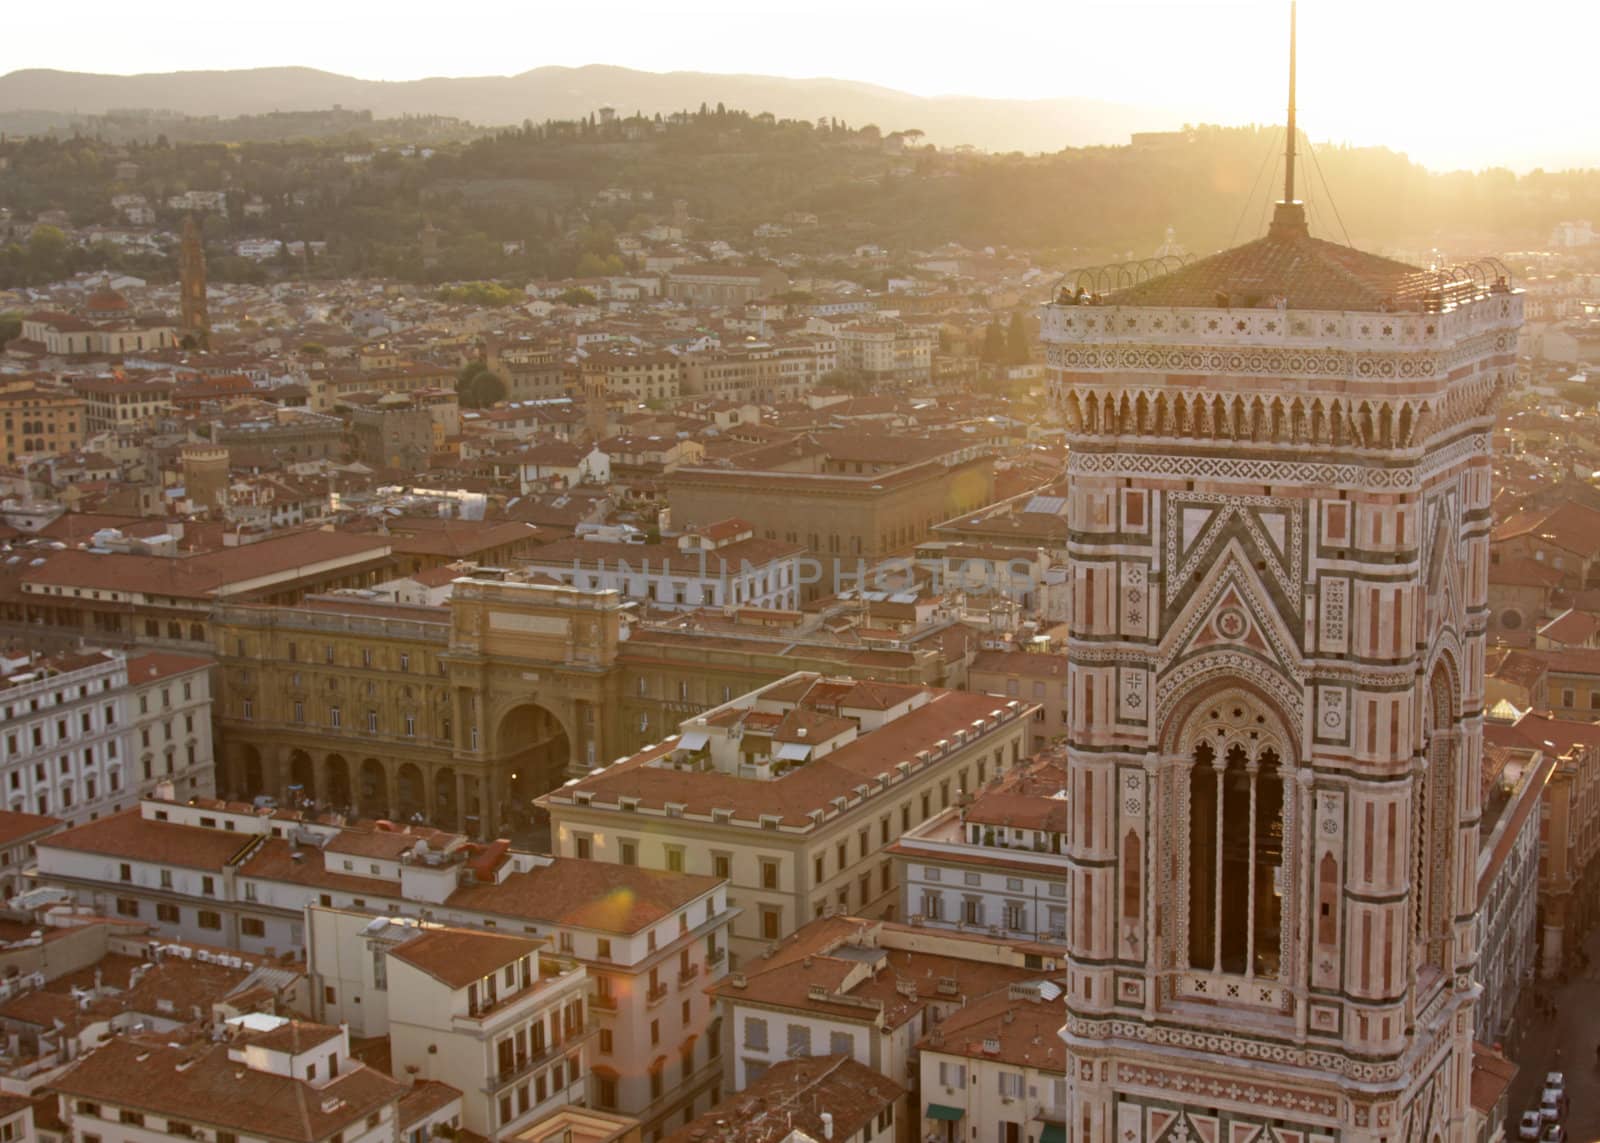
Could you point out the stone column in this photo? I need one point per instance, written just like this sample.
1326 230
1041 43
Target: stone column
391 787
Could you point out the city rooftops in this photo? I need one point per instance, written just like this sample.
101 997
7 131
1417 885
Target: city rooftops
387 864
792 752
878 972
221 572
789 1101
209 1086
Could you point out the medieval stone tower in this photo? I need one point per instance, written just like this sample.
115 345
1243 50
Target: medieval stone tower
195 319
205 476
1280 502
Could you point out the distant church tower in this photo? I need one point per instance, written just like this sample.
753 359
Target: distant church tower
194 318
1280 503
595 405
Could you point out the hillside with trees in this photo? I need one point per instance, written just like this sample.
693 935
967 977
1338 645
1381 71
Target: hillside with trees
548 200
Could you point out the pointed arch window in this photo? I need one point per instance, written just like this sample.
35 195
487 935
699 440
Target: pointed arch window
1236 830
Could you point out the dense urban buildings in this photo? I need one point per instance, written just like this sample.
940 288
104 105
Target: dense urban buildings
686 658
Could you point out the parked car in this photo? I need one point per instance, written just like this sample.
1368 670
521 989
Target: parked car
1552 1106
1555 1081
1531 1127
1554 1133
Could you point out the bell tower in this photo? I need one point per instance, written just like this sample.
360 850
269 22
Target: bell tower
193 314
1280 504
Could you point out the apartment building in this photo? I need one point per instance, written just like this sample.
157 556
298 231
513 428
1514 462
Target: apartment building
638 377
115 405
275 1077
885 350
720 564
240 878
869 990
710 284
997 863
167 600
480 1011
64 745
763 372
1569 829
825 1098
532 371
856 499
1038 677
1514 781
992 1072
39 421
169 709
792 793
20 835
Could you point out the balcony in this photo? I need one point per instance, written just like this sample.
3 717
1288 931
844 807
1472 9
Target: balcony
688 973
605 1001
655 994
498 1004
522 1065
716 956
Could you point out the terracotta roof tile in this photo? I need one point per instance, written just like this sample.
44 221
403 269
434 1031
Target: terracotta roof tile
457 957
210 1088
1308 273
791 1096
596 895
130 836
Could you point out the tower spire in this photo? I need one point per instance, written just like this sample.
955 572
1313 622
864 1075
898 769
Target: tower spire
1289 217
1288 149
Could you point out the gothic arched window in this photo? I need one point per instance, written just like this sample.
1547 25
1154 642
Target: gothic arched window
1235 912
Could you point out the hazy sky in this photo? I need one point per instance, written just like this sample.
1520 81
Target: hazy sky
1464 83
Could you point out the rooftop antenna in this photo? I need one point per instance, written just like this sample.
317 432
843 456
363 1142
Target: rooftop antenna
1288 145
1289 218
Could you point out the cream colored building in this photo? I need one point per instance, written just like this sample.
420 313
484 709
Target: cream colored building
276 1073
480 1011
993 1071
792 793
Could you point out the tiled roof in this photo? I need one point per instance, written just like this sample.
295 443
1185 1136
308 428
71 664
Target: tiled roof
790 1098
293 1037
210 1088
1020 1032
424 1098
153 665
1307 273
129 836
1570 525
457 957
595 895
15 827
1027 664
908 982
812 786
206 574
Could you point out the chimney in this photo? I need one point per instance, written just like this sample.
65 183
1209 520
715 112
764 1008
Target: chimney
827 1125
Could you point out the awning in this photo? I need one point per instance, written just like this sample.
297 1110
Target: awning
694 740
940 1111
1053 1133
793 751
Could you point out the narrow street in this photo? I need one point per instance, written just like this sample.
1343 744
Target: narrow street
1568 1046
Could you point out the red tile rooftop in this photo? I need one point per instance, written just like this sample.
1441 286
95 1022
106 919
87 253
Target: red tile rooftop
793 797
458 957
